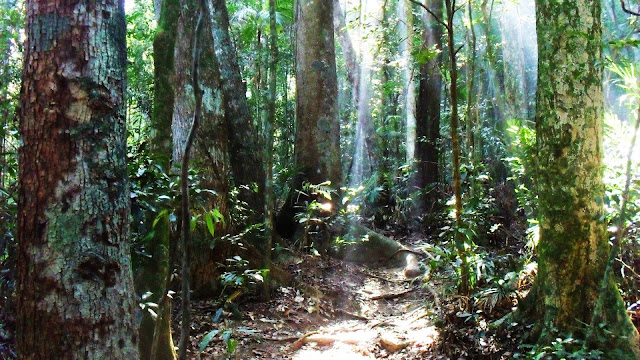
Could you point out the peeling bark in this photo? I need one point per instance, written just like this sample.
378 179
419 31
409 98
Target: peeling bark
75 295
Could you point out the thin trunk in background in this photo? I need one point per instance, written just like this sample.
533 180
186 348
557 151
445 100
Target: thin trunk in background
471 113
269 128
185 293
405 26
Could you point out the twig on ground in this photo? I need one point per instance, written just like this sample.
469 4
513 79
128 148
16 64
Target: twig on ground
352 315
392 295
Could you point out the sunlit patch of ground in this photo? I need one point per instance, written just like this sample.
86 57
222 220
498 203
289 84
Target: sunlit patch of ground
350 322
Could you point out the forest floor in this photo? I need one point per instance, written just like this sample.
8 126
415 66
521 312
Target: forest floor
365 313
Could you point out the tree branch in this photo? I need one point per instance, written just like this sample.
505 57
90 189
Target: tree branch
627 10
432 13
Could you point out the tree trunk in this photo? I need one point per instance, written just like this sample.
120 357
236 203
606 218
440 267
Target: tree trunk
210 151
75 289
571 191
244 146
348 52
405 25
428 110
317 143
152 278
455 148
470 116
163 59
154 271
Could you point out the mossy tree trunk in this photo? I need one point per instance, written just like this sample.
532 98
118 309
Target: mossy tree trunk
163 93
75 295
317 144
154 270
573 247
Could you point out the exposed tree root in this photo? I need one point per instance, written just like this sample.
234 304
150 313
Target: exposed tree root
369 247
301 341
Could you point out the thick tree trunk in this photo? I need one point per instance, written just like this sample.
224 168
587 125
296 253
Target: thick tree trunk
163 59
244 146
317 143
428 110
75 290
573 248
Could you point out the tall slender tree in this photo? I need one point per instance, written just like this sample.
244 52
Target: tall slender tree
75 296
573 247
405 26
269 203
428 107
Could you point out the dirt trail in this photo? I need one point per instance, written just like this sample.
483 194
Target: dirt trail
365 314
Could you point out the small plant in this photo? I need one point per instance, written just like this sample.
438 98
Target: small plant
239 277
566 347
317 215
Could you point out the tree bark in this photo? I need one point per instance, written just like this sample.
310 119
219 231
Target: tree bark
163 59
571 191
74 290
348 52
244 146
428 110
270 122
210 151
317 142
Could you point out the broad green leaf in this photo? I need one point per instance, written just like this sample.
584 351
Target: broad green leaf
160 215
217 215
232 344
207 339
210 226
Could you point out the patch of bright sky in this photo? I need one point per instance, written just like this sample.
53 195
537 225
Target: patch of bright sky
128 6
